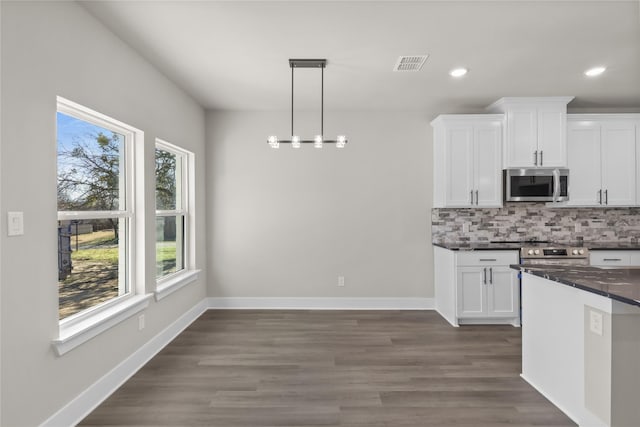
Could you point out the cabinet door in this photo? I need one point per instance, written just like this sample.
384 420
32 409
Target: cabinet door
521 142
583 139
471 291
618 150
502 292
459 166
610 258
552 148
487 169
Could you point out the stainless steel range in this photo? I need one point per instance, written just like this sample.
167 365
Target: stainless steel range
558 255
566 255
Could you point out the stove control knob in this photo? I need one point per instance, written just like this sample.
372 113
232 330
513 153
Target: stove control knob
574 252
581 251
537 252
530 252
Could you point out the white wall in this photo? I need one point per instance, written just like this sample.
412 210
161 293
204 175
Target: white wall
287 223
57 48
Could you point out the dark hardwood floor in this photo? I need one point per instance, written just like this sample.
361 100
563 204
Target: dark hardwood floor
331 368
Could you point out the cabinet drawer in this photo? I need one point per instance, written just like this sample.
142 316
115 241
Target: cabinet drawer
487 258
611 258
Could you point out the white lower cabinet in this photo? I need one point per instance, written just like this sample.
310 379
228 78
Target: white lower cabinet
487 292
477 287
619 258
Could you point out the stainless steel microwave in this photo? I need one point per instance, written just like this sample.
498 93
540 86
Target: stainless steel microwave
536 185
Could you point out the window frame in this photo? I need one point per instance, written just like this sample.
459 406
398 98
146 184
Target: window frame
84 325
169 283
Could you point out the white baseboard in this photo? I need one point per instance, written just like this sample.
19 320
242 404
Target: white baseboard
72 413
451 321
322 303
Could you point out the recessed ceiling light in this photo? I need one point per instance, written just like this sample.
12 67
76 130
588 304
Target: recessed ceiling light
458 72
595 71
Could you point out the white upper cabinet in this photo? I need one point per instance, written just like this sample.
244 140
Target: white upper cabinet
467 151
602 150
535 131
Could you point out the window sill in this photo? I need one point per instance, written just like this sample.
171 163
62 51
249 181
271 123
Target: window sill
74 335
168 286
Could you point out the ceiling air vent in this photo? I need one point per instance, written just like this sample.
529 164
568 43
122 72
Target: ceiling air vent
410 63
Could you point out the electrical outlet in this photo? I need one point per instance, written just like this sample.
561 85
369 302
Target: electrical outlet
141 322
340 281
465 227
595 322
578 227
15 224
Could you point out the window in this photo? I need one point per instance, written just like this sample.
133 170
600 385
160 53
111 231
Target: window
96 217
173 223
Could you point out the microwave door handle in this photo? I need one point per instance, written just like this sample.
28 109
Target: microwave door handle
556 185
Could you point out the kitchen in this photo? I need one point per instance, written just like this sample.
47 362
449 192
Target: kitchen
505 250
332 247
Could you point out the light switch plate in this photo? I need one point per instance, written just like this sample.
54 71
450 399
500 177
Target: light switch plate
15 224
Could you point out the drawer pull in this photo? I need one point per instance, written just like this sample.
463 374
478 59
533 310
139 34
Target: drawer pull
488 259
612 259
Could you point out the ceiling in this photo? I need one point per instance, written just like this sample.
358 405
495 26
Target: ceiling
233 55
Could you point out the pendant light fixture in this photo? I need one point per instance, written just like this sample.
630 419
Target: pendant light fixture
318 141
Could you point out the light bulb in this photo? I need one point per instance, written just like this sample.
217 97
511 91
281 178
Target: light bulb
273 141
594 71
458 72
295 141
341 141
317 141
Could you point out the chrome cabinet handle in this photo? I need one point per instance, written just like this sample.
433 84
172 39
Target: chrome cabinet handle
476 197
471 194
535 158
484 280
600 196
541 162
488 259
491 275
612 259
606 197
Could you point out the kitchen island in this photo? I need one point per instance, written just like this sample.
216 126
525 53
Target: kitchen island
581 340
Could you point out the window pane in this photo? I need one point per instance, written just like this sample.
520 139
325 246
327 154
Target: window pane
169 244
166 167
89 173
91 263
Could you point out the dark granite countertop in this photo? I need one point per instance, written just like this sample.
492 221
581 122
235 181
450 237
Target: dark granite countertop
501 246
621 284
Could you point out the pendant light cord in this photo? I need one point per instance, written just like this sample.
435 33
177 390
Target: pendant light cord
292 101
322 104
